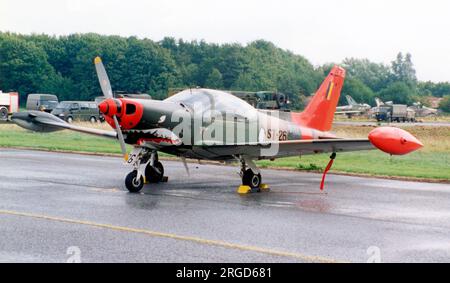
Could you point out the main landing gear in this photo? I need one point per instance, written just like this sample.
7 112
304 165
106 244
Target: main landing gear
251 177
153 169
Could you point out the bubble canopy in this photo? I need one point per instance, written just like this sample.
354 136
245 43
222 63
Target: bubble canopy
213 100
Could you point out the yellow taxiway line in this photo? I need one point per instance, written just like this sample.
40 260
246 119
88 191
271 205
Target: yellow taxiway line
217 243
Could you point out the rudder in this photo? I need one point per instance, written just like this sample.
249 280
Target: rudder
319 113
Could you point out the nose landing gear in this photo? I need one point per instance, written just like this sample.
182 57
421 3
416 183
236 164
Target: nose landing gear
153 172
134 183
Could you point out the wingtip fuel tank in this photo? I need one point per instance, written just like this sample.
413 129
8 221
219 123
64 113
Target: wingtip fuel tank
394 141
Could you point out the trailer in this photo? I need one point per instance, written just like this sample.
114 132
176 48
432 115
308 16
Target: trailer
9 103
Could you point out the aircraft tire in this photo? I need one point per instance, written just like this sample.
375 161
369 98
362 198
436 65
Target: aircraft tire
133 185
251 179
151 175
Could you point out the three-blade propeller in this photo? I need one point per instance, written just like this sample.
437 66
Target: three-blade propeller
107 92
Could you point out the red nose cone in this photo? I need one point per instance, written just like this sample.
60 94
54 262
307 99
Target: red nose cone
394 140
103 107
110 107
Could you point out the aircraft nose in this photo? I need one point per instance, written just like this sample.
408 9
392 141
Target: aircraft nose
109 107
103 107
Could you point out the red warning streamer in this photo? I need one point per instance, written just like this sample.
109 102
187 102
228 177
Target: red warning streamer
330 163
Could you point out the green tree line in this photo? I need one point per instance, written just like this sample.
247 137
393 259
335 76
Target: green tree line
63 65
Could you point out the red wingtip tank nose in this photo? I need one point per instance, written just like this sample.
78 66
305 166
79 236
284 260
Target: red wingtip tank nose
394 140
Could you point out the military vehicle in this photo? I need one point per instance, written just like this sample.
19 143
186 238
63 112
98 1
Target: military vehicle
42 102
265 100
352 108
390 112
401 113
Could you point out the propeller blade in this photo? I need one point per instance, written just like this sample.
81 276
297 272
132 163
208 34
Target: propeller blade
103 78
107 92
183 159
121 139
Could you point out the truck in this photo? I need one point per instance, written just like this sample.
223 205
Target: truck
394 113
9 103
390 112
265 100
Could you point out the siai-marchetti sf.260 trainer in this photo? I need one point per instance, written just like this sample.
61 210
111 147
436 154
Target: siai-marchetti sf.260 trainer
207 124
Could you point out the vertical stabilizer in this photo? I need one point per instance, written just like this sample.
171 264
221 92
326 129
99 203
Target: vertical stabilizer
319 113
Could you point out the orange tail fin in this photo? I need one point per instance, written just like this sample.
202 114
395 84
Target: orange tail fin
320 111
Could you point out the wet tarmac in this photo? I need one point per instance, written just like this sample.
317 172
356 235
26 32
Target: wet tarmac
57 207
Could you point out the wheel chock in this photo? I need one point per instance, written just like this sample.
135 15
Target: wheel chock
145 180
243 190
264 187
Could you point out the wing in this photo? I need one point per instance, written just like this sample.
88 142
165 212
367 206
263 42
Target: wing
45 122
286 148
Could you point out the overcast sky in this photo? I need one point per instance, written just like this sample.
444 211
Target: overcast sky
321 30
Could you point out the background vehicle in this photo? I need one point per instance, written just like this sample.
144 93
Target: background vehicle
78 110
401 113
264 100
268 100
42 102
390 112
9 103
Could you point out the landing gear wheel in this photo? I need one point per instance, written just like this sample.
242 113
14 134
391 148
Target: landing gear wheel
151 172
69 120
251 179
132 183
93 120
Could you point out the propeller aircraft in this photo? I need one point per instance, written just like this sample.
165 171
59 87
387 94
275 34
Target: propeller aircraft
208 124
